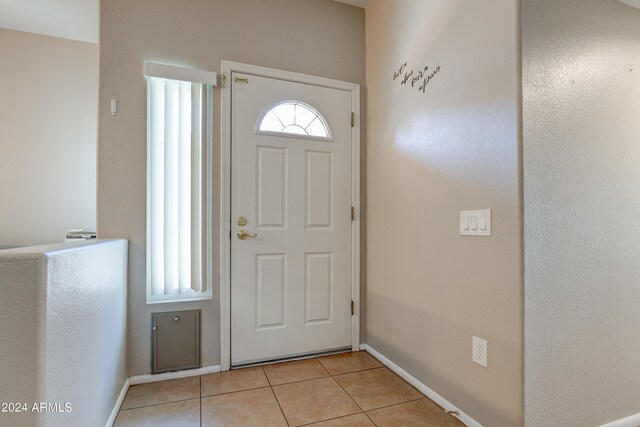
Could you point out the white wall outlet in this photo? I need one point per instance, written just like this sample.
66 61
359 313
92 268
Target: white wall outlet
479 351
475 223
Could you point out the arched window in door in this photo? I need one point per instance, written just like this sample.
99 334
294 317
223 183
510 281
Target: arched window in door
293 118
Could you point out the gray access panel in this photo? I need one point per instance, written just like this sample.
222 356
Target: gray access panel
175 340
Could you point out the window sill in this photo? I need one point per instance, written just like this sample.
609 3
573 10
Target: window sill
175 298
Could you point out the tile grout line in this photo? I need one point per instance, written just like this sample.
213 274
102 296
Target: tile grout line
345 373
345 391
235 391
272 386
329 374
383 366
405 381
363 411
373 409
301 381
158 404
275 397
348 395
297 381
373 422
397 404
329 419
415 388
322 366
313 379
359 370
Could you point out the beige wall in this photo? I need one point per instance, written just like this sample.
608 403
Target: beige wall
48 117
319 37
429 156
581 104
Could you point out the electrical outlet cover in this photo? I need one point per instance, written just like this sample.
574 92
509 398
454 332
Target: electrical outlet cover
479 351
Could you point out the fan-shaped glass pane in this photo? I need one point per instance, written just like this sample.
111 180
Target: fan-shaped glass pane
294 118
271 123
304 116
286 113
298 130
316 128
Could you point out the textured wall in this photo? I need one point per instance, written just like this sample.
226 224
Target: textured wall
429 156
64 331
19 362
319 37
581 88
48 118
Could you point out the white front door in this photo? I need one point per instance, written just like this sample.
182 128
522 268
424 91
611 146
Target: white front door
291 183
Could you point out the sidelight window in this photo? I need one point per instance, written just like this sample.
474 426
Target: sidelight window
178 128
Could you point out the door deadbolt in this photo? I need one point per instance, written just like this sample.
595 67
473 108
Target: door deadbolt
242 221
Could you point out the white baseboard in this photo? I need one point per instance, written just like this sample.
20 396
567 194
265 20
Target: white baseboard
448 406
142 379
118 404
631 421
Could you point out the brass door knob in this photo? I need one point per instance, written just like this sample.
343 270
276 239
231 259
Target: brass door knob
244 234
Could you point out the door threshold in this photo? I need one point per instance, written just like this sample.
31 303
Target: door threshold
293 358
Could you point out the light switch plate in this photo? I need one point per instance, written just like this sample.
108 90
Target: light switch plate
475 223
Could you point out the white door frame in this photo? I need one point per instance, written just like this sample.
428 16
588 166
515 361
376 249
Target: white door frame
229 67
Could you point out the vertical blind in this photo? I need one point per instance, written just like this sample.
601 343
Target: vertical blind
174 189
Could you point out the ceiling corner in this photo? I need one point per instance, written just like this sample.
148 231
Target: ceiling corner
358 3
634 3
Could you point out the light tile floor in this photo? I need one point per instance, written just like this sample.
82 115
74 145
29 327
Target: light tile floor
351 389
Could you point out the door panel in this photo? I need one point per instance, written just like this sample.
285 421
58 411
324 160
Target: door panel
271 201
271 273
319 191
291 283
319 286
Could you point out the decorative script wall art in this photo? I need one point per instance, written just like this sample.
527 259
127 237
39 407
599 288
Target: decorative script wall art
420 78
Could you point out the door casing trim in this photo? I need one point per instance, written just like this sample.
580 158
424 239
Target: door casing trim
228 67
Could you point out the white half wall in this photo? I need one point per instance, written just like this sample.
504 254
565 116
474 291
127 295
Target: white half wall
63 317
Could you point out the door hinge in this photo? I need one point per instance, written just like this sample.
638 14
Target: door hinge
353 308
229 233
353 213
224 80
353 119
